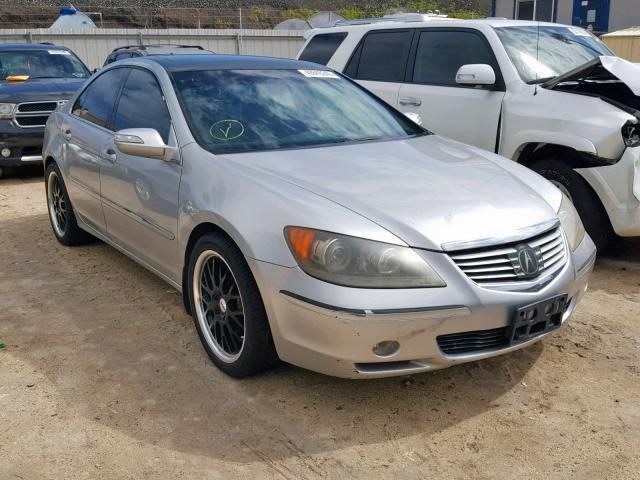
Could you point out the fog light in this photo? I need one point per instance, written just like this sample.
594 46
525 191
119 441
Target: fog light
386 348
5 152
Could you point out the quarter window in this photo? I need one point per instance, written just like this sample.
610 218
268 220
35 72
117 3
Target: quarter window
440 54
95 104
382 56
142 105
321 48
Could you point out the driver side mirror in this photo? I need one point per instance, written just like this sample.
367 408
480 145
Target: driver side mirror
476 74
143 142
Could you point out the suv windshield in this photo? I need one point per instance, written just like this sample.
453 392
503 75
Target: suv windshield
559 50
249 110
51 63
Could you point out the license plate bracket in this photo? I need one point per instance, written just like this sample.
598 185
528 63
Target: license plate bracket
537 319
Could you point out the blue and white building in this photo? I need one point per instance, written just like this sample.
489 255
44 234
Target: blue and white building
598 15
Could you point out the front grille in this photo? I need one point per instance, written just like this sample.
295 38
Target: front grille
37 121
467 342
34 114
37 107
499 264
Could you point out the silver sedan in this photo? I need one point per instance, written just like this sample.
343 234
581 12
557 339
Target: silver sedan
304 219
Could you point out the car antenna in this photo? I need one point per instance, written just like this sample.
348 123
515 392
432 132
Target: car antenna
535 91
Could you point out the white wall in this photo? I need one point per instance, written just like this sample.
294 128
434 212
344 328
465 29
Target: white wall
93 46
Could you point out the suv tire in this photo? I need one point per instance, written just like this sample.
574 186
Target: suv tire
594 216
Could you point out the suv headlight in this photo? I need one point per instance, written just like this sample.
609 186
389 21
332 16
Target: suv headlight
6 110
631 134
571 223
356 262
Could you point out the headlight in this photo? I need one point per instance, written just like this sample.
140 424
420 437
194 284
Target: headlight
571 223
356 262
6 110
631 134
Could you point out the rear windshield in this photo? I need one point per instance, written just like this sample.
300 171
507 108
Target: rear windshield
321 48
51 63
250 110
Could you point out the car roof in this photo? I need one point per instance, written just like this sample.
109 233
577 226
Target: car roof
31 46
174 63
445 22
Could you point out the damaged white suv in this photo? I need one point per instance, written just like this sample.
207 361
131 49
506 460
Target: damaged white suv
549 96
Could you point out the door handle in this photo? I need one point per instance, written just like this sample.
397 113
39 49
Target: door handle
66 134
416 102
109 154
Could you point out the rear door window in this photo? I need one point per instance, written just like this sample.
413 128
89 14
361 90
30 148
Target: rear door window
321 48
142 105
96 102
440 54
382 56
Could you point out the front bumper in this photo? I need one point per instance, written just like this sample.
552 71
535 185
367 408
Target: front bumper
618 187
332 329
25 144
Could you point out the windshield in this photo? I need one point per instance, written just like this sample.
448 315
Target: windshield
53 63
561 49
249 110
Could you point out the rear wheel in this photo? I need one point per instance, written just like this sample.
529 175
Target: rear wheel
61 214
593 215
227 308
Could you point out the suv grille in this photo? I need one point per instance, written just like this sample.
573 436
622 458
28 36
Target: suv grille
34 114
466 342
501 264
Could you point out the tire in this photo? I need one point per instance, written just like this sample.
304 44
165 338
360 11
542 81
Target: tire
61 214
227 308
592 213
1 172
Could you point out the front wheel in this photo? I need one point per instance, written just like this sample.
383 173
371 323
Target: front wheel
227 308
592 213
61 214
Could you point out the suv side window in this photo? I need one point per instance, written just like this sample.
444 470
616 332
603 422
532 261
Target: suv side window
321 48
440 54
142 105
95 103
382 56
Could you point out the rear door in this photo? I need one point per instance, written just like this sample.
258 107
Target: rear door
139 194
468 114
379 63
87 132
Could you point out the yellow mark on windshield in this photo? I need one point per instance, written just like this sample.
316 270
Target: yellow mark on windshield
17 78
226 130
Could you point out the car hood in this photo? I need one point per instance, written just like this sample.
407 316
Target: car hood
615 68
428 191
39 89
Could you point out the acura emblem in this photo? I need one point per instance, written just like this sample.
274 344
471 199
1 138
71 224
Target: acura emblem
526 261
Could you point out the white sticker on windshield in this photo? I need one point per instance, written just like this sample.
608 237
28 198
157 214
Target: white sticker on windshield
59 52
579 32
318 74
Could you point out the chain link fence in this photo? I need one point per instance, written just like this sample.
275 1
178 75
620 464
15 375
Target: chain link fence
162 15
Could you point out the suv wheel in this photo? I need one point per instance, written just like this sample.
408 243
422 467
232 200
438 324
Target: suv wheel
593 215
227 308
61 214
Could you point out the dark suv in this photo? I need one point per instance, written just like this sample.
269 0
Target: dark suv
133 51
34 80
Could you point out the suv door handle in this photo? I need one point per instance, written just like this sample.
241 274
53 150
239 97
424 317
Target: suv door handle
66 134
109 154
416 102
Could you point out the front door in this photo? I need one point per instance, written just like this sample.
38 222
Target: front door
139 194
470 115
86 133
592 14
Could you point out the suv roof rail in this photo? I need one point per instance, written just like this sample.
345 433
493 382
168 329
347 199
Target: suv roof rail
144 47
405 17
46 43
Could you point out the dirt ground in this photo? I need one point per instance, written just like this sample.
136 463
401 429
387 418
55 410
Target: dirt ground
103 376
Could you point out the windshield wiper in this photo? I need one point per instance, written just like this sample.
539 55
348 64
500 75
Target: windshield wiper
541 80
